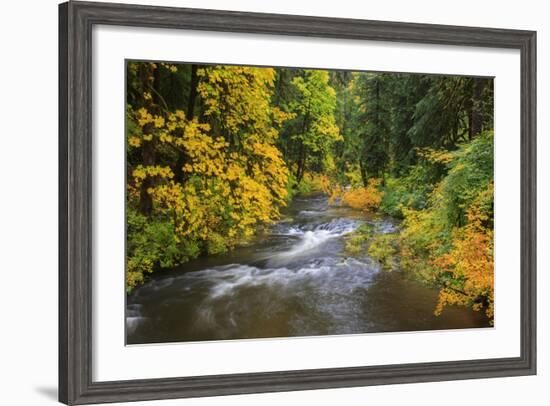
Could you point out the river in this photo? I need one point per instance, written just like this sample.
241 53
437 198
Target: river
294 280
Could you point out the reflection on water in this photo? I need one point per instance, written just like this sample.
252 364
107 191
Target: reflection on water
294 281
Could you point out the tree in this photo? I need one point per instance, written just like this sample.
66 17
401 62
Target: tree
372 123
453 110
314 109
233 178
405 92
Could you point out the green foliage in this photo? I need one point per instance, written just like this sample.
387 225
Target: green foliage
380 247
152 243
384 249
397 195
470 171
449 243
372 124
413 188
309 137
357 242
306 187
410 191
216 244
445 115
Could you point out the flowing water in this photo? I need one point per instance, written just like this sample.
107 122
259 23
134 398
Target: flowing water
295 280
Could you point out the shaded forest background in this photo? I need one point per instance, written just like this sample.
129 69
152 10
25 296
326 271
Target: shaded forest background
214 153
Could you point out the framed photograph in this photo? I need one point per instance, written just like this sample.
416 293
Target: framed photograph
257 202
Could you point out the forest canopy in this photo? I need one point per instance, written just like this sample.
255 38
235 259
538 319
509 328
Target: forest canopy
215 152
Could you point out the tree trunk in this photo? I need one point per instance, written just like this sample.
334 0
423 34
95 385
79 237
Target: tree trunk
378 103
477 113
279 88
363 171
148 152
302 151
148 159
470 127
179 174
192 92
301 164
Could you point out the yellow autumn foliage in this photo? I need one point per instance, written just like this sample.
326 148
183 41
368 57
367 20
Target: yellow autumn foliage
435 156
234 177
314 182
450 244
470 263
364 198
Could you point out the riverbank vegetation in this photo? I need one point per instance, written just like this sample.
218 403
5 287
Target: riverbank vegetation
215 152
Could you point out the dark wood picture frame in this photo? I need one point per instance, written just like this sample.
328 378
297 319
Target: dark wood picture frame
76 20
